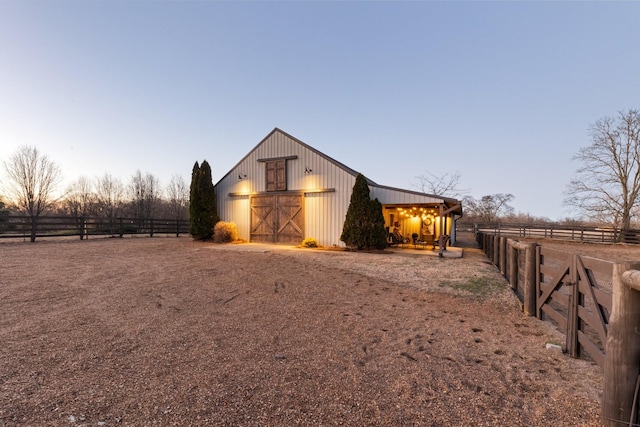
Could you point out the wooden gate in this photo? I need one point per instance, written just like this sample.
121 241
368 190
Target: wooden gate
575 292
277 218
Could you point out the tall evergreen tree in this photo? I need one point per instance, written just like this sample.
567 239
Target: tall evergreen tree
378 234
194 201
203 214
364 224
208 196
4 214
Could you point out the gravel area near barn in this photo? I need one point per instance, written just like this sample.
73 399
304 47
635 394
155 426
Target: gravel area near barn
167 331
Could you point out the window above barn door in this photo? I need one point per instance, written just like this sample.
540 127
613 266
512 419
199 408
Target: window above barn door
276 171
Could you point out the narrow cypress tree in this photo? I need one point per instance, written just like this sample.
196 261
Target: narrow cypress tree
378 232
194 202
364 224
208 192
4 213
202 203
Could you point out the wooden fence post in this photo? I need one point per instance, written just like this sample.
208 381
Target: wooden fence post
530 288
496 250
530 269
503 255
513 267
483 243
572 343
487 244
622 351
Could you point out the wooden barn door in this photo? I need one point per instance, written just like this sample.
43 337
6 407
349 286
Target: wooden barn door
263 218
277 218
290 218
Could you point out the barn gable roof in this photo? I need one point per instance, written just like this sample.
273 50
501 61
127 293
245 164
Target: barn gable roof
447 201
308 147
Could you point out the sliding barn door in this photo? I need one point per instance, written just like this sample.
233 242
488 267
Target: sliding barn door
277 218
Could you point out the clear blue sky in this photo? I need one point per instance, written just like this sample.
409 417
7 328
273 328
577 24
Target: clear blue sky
502 93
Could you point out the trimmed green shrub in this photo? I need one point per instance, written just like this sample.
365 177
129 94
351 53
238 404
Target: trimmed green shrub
225 232
309 242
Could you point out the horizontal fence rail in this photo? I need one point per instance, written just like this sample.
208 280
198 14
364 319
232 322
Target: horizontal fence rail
595 303
560 232
19 226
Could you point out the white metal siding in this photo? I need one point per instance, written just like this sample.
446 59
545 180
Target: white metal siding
323 220
324 212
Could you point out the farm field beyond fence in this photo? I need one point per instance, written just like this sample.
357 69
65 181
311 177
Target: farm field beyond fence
141 331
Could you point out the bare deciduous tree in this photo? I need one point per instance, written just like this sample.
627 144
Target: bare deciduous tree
607 184
489 208
32 180
144 195
79 198
178 196
109 193
446 185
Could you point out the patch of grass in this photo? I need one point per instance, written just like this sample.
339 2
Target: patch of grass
480 286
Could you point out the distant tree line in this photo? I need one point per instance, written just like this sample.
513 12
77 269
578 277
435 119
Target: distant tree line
32 178
605 189
142 197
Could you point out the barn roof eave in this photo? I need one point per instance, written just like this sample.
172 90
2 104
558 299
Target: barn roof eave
447 201
321 154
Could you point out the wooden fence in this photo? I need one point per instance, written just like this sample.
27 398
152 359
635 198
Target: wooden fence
591 301
17 226
559 232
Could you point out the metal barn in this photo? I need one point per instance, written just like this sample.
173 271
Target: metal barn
285 190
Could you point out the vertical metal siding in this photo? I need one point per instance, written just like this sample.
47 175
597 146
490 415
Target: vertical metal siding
324 212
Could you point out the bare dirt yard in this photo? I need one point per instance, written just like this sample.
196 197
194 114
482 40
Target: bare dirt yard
167 331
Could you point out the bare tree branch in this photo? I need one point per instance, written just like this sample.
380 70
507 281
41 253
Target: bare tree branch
606 185
446 185
109 193
79 198
144 195
178 195
33 178
489 208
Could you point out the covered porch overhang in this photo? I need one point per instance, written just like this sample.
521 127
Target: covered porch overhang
423 221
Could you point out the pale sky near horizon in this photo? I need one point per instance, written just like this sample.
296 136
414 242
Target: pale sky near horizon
502 93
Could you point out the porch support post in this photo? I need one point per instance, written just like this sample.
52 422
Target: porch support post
441 237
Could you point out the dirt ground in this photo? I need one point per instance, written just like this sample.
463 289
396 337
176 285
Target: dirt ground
167 331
